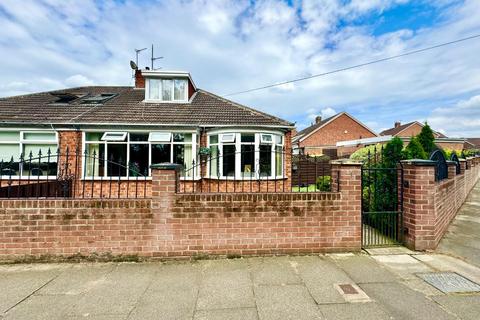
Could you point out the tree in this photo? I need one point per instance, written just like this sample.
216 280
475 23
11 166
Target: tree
414 150
426 139
392 153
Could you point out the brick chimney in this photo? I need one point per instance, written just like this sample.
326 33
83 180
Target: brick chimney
397 124
139 79
318 119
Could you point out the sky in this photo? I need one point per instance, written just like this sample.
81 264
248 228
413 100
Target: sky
230 46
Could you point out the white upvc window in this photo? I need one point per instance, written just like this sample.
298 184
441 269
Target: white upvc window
166 90
114 136
245 155
28 153
108 155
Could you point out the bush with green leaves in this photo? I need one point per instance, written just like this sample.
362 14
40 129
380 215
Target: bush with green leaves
392 153
362 154
324 183
414 150
427 139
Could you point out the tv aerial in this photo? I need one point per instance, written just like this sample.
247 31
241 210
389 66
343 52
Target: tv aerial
137 51
154 58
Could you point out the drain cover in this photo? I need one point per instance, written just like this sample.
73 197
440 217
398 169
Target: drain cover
449 282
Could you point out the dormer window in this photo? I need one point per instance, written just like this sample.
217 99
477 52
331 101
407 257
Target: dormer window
167 90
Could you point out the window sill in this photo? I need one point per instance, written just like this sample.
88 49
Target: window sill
26 178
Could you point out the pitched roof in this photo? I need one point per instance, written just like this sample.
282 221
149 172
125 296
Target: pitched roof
128 107
396 130
316 126
474 141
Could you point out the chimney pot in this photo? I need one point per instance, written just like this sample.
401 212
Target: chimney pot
139 79
397 124
318 119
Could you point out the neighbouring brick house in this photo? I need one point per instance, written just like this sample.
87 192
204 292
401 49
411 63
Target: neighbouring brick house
164 118
322 136
408 130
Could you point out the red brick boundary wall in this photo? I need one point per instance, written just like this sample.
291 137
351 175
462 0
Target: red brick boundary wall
181 225
430 206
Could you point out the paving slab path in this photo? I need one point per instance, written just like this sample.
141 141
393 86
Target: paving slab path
383 285
462 238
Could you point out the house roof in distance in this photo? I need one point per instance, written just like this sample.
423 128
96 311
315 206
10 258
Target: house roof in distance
316 126
396 130
108 105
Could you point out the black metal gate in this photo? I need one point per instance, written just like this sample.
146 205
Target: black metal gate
382 205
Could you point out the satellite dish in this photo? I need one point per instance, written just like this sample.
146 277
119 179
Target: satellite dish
133 65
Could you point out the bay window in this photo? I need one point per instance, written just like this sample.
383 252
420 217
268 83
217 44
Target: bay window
37 148
122 154
245 155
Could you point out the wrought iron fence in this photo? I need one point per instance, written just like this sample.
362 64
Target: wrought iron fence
455 159
250 170
70 175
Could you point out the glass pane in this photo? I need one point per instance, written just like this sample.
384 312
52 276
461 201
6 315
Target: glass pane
248 161
167 90
160 136
278 139
95 160
161 153
9 136
228 158
138 136
40 164
7 166
278 160
93 136
117 160
229 137
179 90
214 161
182 154
154 89
138 160
35 149
214 139
182 137
248 137
266 138
44 136
265 160
114 136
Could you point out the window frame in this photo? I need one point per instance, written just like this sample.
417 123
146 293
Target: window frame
238 146
128 142
172 91
21 142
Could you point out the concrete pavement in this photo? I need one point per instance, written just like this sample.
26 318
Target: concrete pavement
463 236
337 286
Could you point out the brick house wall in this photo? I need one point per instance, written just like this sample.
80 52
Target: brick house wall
177 225
430 206
327 136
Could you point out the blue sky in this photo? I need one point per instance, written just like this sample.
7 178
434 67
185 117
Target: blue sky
230 46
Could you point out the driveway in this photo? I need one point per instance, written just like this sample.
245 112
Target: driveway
463 236
338 286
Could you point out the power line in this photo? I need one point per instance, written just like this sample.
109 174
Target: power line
355 66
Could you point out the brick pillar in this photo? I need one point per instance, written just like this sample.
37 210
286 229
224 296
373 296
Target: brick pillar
419 204
463 166
71 166
452 169
347 179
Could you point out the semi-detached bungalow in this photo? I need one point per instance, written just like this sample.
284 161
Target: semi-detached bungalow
122 131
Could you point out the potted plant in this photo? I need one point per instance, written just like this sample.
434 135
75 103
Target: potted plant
204 153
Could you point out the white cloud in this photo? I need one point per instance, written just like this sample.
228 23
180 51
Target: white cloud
231 46
459 120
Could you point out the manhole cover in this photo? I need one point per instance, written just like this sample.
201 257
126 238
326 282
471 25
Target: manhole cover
348 289
449 282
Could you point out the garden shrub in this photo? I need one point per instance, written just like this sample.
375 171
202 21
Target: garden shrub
392 153
324 183
362 154
414 150
426 139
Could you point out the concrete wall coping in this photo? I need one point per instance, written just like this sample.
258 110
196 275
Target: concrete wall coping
346 162
420 162
166 166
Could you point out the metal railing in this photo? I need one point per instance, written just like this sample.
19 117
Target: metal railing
256 171
54 174
441 167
